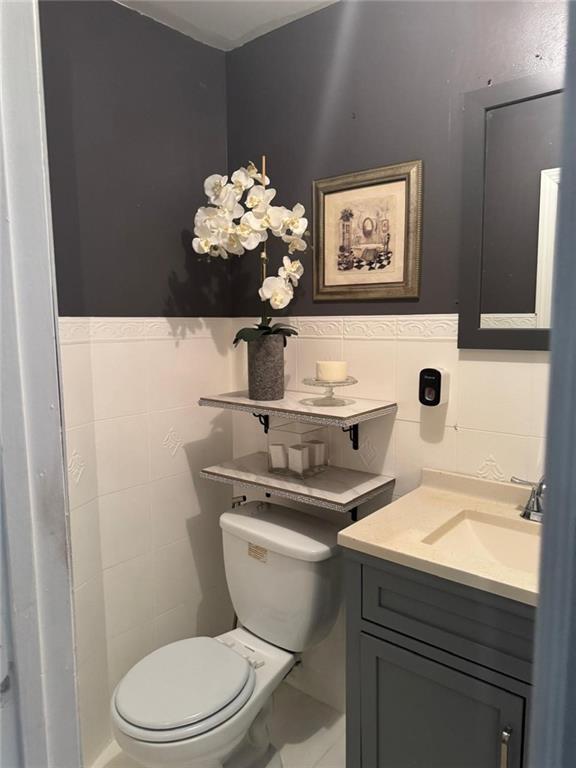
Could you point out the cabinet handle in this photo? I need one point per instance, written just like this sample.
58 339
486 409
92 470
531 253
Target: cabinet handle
505 737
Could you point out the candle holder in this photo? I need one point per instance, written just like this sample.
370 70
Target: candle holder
329 400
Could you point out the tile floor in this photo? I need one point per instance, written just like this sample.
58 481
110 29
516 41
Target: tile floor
307 734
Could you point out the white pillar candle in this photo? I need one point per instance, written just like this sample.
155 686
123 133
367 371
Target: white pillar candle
317 452
299 458
278 456
332 370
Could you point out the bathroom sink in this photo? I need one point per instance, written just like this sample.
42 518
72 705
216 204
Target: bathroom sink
461 528
512 543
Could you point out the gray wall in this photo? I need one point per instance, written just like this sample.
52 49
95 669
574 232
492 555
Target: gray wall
136 118
138 115
359 85
521 140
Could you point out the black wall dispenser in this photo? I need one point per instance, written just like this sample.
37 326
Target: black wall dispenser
433 386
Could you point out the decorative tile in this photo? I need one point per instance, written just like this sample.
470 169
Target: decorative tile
490 470
172 441
497 456
320 327
427 326
383 327
81 465
84 329
73 330
118 328
508 321
76 467
187 439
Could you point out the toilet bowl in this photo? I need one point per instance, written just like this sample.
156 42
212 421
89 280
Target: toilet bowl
192 703
202 702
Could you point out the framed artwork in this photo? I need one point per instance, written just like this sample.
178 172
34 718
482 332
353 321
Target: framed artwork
367 234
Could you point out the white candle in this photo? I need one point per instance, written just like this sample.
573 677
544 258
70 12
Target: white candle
278 457
332 370
317 452
299 458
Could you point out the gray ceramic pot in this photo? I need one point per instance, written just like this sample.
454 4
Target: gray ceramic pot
266 367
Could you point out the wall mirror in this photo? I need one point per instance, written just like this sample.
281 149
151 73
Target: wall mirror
512 145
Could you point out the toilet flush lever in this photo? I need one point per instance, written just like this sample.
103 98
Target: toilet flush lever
237 501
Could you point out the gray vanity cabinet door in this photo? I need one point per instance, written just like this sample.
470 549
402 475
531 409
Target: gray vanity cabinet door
418 713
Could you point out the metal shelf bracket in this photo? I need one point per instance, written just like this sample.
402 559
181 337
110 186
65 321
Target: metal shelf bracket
354 435
264 421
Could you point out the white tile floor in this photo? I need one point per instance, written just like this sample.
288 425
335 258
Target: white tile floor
307 734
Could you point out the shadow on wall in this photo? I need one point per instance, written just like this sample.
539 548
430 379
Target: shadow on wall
201 284
204 530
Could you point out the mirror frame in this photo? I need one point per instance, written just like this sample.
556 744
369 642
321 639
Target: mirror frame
475 107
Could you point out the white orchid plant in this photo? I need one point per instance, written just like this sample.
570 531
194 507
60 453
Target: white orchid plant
240 218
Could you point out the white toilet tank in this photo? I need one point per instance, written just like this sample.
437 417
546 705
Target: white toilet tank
283 573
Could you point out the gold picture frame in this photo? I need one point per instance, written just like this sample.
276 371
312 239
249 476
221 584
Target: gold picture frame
367 234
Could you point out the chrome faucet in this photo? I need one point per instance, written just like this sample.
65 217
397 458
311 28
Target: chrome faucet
534 508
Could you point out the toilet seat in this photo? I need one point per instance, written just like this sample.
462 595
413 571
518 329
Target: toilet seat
182 690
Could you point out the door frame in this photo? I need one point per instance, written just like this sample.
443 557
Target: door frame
553 736
34 496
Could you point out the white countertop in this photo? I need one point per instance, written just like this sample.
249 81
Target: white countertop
398 531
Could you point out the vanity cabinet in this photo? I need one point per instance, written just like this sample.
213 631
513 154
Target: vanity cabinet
438 672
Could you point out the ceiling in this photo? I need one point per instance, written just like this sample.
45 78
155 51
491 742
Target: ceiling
225 24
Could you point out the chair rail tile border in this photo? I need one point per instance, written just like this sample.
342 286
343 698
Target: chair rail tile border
74 330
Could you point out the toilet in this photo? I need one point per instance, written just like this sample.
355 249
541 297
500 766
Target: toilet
203 702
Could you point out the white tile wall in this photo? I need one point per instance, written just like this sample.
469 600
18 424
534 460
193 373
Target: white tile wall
146 545
493 425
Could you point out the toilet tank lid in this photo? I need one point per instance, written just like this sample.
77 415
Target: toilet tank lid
282 530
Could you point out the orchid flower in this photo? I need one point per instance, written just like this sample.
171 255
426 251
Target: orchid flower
259 198
232 244
213 186
277 291
295 243
255 174
275 218
240 216
250 237
295 221
242 180
291 270
228 199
